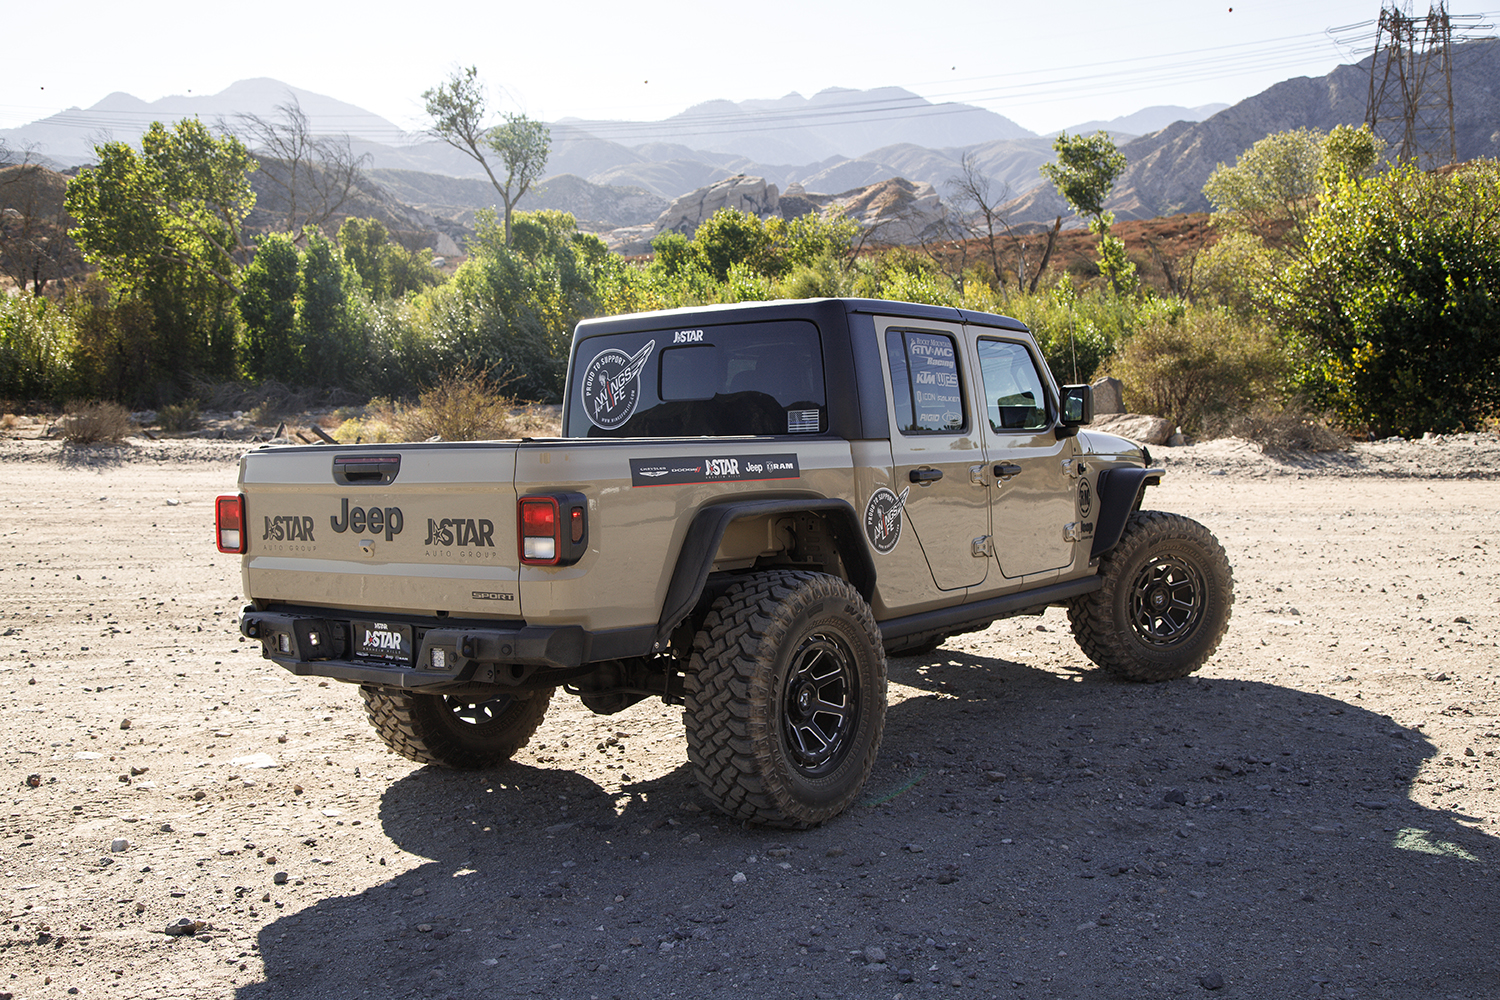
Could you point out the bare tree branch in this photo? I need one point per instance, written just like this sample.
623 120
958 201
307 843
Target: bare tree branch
980 210
312 175
35 247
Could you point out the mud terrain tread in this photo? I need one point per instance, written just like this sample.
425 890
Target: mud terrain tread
732 731
419 727
1099 626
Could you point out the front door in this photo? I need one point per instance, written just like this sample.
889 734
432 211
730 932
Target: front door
1031 489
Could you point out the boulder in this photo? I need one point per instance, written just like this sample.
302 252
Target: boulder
1136 426
1109 396
894 210
748 194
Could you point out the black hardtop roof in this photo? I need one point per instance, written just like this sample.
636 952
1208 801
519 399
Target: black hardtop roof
815 310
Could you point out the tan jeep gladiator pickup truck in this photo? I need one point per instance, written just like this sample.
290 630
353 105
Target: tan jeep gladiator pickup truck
749 508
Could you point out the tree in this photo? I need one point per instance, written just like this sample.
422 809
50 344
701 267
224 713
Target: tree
386 269
730 237
1274 188
332 351
1086 169
513 305
1397 299
164 228
970 190
1085 173
363 242
34 244
268 305
458 109
180 202
309 177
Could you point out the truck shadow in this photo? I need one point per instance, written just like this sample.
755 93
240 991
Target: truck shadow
1024 831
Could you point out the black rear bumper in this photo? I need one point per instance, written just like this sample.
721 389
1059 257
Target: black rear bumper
317 643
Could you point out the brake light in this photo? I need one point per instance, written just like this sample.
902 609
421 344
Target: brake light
552 529
229 523
539 530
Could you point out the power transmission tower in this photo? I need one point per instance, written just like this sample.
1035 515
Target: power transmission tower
1411 81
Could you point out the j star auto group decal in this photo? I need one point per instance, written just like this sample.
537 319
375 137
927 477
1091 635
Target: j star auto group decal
727 469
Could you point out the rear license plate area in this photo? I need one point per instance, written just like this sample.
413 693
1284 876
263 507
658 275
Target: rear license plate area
388 641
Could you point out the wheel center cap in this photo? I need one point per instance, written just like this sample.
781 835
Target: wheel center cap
1158 599
804 698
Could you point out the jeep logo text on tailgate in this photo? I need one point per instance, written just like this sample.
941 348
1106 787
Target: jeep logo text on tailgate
375 520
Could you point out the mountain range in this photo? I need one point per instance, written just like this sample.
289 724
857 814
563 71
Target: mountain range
619 173
834 141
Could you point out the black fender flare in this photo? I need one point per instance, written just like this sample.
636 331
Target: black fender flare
1118 490
696 559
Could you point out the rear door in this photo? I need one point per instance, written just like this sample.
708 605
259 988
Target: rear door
936 452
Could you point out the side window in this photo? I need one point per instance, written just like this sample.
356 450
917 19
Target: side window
924 382
1013 392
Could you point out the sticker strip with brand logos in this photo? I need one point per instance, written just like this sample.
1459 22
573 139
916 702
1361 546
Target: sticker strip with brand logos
728 469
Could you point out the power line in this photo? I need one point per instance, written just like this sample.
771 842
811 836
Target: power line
1008 90
1410 103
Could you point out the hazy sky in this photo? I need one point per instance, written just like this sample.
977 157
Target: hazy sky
1044 65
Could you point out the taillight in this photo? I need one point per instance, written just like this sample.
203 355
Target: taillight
552 529
229 522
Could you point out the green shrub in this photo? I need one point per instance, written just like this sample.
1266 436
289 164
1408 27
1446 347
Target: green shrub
463 405
1077 331
1289 429
1397 301
177 418
1198 367
90 423
37 345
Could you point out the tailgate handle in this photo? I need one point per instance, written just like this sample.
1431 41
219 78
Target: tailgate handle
366 470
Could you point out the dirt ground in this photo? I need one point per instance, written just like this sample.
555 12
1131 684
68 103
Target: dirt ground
1315 814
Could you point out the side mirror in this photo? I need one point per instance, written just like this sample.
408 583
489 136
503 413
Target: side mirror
1077 403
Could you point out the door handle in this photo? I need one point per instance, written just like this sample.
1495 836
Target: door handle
1006 470
925 477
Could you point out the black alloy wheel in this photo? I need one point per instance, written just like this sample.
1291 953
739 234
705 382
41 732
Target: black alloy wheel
821 704
1166 601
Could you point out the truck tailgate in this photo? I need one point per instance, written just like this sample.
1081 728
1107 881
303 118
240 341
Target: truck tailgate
405 528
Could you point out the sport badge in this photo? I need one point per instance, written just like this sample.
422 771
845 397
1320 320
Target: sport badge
612 386
883 518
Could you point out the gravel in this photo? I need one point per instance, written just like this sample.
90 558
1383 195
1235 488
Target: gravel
1313 814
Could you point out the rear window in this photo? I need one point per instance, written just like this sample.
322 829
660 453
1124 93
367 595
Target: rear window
744 378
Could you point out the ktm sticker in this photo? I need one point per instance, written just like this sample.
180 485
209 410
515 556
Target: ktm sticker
883 519
612 386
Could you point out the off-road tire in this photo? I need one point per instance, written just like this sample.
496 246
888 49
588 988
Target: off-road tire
437 729
1165 601
785 700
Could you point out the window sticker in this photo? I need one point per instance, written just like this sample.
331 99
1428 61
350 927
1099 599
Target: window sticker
612 385
924 382
802 421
